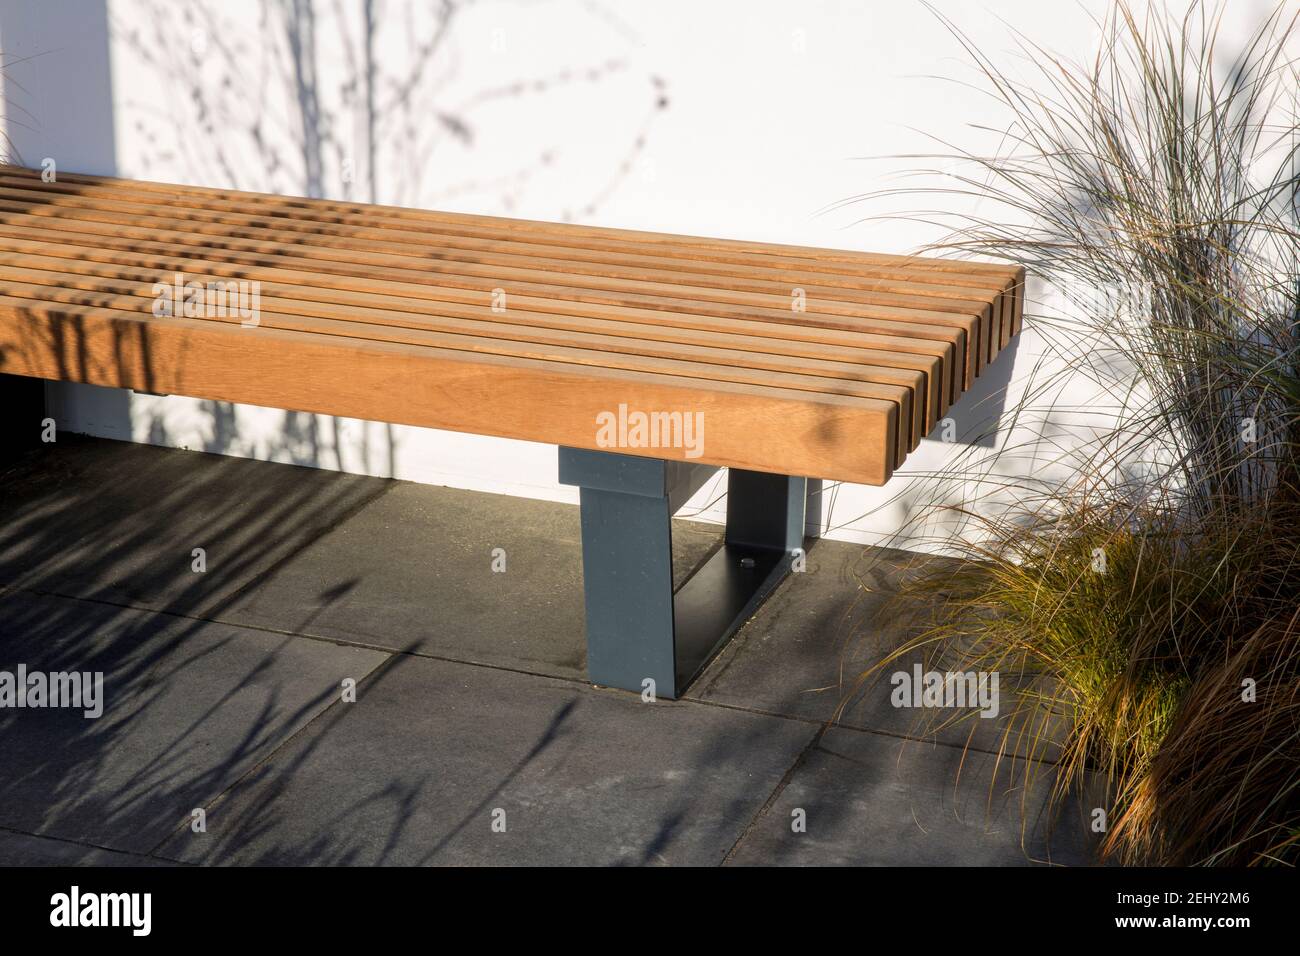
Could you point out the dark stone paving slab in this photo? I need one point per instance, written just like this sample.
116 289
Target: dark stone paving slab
188 707
805 651
119 522
412 772
415 570
877 801
25 849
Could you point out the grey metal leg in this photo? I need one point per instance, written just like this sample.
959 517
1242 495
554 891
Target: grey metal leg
637 628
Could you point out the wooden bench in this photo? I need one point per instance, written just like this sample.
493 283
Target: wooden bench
794 363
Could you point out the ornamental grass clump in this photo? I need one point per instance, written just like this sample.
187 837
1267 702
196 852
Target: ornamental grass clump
1141 588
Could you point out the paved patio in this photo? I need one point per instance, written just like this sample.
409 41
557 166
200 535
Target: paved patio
223 689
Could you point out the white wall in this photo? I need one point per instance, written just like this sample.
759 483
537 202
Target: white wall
740 118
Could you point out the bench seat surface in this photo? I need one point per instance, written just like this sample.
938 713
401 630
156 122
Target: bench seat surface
815 362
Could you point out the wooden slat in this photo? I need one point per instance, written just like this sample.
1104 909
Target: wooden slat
794 270
752 427
322 214
30 265
927 303
318 211
906 390
594 317
443 285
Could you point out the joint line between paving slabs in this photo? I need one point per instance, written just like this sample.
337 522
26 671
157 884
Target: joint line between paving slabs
84 844
180 827
777 791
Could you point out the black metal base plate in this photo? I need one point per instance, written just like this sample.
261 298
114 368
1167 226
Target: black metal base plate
717 599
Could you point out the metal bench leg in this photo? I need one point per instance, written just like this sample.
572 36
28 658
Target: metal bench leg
637 629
